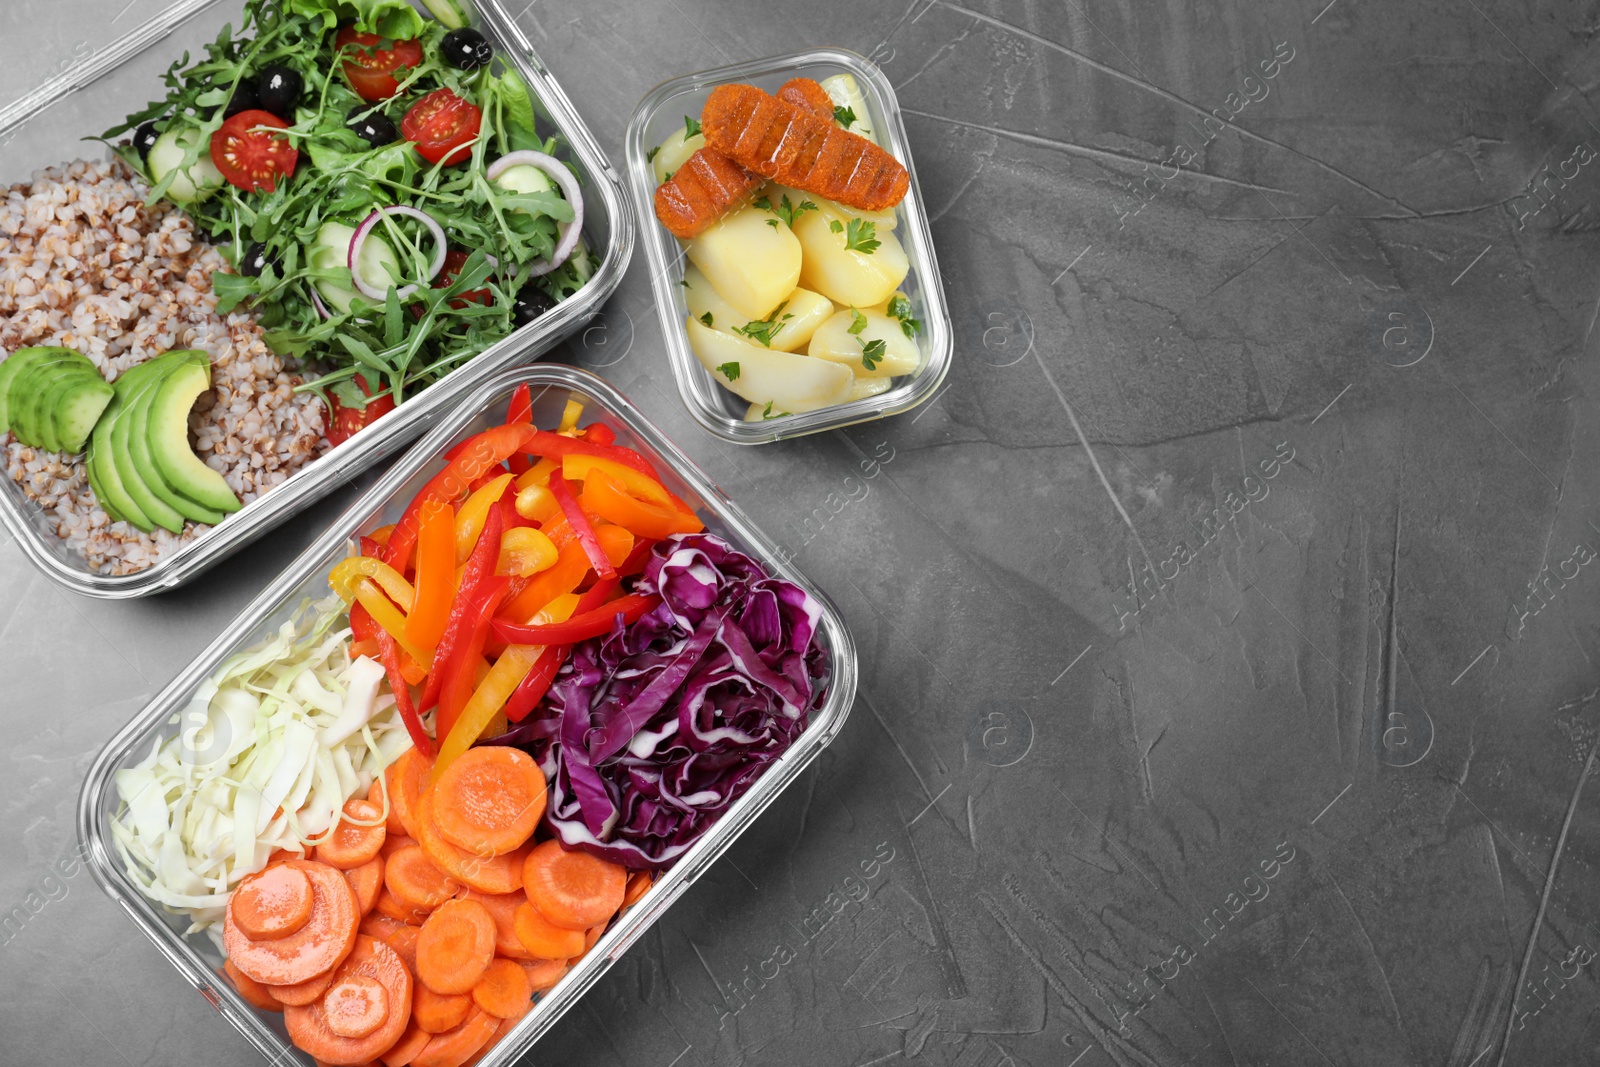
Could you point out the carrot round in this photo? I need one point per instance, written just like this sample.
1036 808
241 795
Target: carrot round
504 990
456 1047
394 908
545 940
543 974
355 1005
272 903
405 777
639 883
438 1012
316 947
455 946
592 936
574 889
311 1028
301 993
416 880
283 855
366 880
485 873
489 799
406 1050
254 993
502 907
404 942
350 844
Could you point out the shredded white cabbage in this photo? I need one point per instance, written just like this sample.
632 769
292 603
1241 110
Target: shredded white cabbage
267 752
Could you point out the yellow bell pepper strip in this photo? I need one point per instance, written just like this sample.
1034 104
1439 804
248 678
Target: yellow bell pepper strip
576 469
473 458
460 672
389 619
389 655
606 499
571 567
525 551
536 502
538 474
474 513
502 680
348 572
580 526
569 417
537 682
480 566
519 412
436 572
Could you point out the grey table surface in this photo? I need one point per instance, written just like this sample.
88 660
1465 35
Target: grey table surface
1228 645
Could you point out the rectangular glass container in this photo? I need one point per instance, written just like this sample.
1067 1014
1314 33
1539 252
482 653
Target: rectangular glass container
719 411
196 957
47 127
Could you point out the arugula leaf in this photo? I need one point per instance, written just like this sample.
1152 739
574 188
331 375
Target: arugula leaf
762 331
863 237
729 371
690 127
706 318
858 321
872 353
394 19
900 308
232 290
844 116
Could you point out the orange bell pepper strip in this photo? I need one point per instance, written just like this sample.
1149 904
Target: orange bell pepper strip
581 526
606 499
538 474
577 468
390 620
436 572
472 459
474 513
457 627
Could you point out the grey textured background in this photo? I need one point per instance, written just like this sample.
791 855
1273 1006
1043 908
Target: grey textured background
1329 378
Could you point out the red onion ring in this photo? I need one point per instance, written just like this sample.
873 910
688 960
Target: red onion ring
360 237
316 302
567 232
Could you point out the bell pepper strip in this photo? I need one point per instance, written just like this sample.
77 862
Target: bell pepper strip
599 433
593 623
436 572
635 563
525 551
379 537
460 673
389 655
474 513
475 456
571 567
480 566
503 679
537 683
536 503
580 526
547 444
520 412
569 417
609 500
389 618
577 468
350 571
411 670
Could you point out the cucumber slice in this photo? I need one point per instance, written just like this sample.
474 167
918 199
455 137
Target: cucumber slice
189 186
331 250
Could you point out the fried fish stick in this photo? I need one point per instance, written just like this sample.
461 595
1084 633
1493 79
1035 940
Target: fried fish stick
807 94
777 139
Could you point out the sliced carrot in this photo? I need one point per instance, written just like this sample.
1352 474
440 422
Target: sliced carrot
254 993
592 936
404 942
502 907
639 883
489 799
380 926
573 889
316 947
301 993
283 855
272 903
310 1026
543 939
366 880
351 844
456 1047
504 990
416 880
487 874
410 1045
455 946
392 906
355 1005
438 1012
406 776
543 974
393 843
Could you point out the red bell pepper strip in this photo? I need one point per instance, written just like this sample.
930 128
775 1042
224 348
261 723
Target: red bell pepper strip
520 412
599 433
472 458
580 528
545 443
480 565
579 627
461 672
637 559
537 683
389 652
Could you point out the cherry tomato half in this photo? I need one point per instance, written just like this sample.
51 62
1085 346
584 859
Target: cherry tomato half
250 158
343 422
454 260
442 126
371 68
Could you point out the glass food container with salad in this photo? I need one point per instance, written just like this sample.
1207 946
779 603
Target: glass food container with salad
332 219
422 792
789 249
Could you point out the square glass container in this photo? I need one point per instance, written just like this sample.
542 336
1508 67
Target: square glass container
47 127
552 386
719 411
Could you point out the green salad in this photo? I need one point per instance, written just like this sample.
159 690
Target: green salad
376 180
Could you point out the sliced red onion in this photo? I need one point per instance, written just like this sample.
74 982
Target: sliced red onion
351 259
567 232
316 302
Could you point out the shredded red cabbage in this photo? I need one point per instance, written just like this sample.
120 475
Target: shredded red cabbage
651 732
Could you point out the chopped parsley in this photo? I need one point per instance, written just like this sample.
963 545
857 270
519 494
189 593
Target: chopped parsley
768 413
690 127
844 116
863 237
787 210
858 321
650 156
900 308
872 353
706 318
773 223
729 371
835 225
762 331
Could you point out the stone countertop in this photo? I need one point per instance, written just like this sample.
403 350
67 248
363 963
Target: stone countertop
1227 633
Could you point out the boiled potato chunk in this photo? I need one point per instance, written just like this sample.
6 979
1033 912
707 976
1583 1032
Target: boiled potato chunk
834 341
884 220
753 266
675 152
809 310
798 316
792 382
846 93
845 276
704 300
865 387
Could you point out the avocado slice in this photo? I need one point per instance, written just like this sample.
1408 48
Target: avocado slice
167 435
31 399
138 444
13 368
117 451
97 481
77 408
104 477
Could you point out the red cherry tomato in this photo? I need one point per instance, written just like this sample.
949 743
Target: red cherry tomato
253 159
343 422
453 262
371 69
442 126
